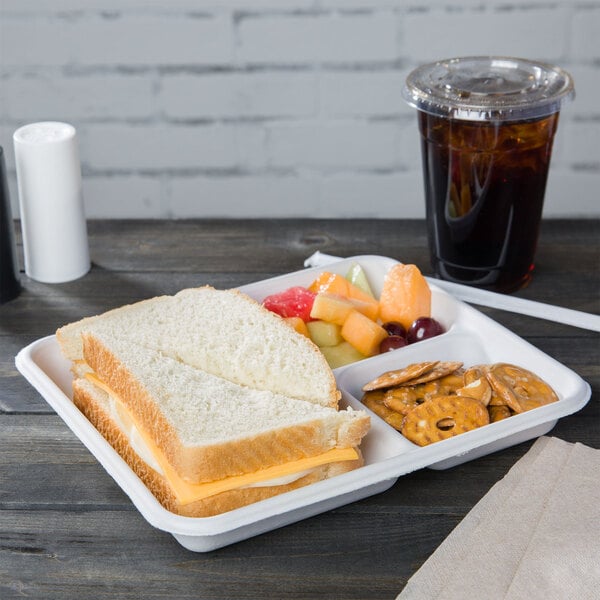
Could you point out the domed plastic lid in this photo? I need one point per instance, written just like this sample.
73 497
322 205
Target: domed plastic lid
488 88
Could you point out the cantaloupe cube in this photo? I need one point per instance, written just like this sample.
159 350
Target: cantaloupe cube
363 333
298 324
331 307
333 283
329 282
369 309
405 295
342 354
323 333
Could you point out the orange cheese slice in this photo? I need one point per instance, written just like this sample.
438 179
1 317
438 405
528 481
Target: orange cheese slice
190 492
187 492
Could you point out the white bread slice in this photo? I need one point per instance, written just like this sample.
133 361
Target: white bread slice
95 404
208 427
223 332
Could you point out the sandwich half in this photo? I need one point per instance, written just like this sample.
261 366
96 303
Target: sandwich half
201 443
222 332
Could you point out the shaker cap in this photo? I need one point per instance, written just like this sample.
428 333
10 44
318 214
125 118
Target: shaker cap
488 88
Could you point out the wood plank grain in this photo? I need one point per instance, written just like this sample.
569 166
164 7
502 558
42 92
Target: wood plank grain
51 556
68 531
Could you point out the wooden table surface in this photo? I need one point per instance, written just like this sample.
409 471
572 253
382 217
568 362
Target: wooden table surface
68 531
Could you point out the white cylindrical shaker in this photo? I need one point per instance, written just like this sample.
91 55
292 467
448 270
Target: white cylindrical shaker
53 222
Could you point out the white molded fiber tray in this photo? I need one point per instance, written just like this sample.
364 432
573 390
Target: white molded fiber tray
471 337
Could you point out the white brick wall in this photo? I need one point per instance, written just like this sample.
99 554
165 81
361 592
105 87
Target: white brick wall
318 37
244 108
238 95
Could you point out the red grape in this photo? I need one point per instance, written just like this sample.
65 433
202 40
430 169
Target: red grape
423 328
392 342
395 328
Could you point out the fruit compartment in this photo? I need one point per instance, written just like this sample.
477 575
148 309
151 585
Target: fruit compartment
375 268
443 306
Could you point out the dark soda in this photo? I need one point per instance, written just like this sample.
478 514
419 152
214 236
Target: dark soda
484 188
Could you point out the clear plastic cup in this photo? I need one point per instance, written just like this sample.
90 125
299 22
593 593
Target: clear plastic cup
487 126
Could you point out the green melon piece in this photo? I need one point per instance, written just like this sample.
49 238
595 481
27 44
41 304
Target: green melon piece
356 275
324 333
342 354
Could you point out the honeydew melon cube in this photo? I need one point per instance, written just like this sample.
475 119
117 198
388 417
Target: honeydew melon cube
342 354
356 276
324 333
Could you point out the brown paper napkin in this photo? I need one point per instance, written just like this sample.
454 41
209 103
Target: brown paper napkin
536 534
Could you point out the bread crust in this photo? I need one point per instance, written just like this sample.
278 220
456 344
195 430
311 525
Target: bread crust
215 461
91 405
69 336
277 321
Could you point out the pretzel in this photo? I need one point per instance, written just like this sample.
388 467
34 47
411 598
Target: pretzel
440 369
475 372
443 417
479 389
498 412
479 372
520 389
403 399
398 376
374 401
432 401
448 384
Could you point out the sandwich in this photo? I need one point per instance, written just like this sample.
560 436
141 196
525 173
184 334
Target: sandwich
205 440
222 332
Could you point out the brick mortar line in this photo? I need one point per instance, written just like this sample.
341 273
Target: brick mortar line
239 173
270 120
278 172
242 12
74 70
278 120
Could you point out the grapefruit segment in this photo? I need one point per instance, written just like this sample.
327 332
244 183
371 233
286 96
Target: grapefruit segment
294 302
